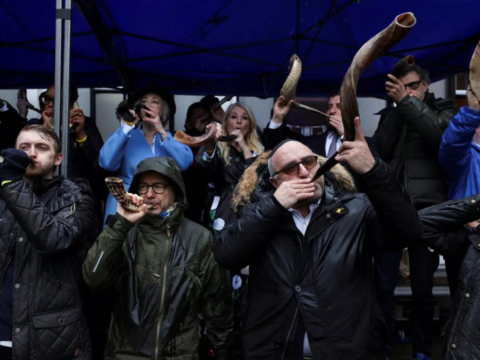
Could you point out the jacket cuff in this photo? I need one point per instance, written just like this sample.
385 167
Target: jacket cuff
405 100
278 205
375 177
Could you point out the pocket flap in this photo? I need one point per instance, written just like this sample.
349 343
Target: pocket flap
58 318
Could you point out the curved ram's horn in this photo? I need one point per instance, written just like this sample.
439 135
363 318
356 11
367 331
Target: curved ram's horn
373 49
115 185
474 76
289 88
195 141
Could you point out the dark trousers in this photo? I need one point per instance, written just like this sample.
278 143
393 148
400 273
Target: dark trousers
5 352
423 264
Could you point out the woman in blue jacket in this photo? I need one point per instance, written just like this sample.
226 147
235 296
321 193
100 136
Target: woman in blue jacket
144 138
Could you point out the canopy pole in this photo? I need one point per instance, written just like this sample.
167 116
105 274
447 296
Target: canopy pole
62 78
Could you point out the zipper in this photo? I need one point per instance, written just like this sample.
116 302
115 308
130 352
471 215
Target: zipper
289 333
110 328
300 242
164 285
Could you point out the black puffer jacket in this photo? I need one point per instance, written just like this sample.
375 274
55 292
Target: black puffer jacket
321 282
445 232
408 138
45 227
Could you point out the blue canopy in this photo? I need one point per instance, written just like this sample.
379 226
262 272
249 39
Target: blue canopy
227 46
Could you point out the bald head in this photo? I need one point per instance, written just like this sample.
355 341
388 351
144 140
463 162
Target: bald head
295 156
290 151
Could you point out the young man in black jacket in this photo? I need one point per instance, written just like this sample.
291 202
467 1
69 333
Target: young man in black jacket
43 221
310 246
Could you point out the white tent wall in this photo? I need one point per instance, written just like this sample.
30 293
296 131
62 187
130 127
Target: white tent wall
32 95
106 104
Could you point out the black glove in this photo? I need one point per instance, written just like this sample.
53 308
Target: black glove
14 165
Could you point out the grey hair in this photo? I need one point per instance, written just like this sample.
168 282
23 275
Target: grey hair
271 170
165 118
423 74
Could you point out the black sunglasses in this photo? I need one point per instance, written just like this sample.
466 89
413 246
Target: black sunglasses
293 168
413 85
158 188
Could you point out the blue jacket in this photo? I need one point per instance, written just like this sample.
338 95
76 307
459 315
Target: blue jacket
121 154
460 156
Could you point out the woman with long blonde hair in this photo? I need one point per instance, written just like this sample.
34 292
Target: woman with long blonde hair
225 162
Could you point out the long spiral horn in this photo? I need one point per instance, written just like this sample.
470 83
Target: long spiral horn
373 49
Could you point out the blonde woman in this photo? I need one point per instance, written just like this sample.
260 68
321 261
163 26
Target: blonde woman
225 162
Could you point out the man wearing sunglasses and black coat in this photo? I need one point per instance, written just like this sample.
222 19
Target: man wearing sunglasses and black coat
408 139
309 246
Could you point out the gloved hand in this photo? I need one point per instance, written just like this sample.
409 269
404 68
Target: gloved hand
14 165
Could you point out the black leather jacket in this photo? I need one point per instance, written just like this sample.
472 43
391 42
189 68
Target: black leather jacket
45 227
445 232
408 138
320 283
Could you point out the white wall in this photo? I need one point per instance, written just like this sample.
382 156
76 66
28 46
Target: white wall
183 102
439 88
367 108
261 109
105 105
32 95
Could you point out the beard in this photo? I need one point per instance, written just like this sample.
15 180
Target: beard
38 171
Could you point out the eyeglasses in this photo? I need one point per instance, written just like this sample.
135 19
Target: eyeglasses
158 188
45 100
413 85
293 168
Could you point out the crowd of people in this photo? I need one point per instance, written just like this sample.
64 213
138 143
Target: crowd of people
230 250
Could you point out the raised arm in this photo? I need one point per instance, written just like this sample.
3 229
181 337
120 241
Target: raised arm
391 214
181 153
105 260
429 123
441 222
49 232
237 244
454 153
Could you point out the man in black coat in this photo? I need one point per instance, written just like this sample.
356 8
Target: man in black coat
309 246
408 139
42 245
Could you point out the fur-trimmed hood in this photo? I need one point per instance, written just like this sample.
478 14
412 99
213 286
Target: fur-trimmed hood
255 185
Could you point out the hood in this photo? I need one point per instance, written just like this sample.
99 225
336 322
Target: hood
255 185
165 166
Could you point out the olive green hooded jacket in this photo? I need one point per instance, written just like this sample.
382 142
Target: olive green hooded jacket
164 275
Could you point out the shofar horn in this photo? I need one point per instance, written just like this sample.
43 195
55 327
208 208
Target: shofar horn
289 88
373 49
402 64
115 185
215 106
474 76
195 141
